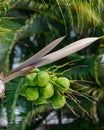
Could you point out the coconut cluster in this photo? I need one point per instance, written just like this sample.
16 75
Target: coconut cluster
42 87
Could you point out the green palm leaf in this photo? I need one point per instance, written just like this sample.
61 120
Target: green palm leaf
12 95
7 34
99 67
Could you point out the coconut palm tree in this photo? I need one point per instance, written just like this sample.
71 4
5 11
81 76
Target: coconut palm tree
27 26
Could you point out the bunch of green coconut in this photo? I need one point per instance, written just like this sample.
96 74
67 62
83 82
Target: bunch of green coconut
43 87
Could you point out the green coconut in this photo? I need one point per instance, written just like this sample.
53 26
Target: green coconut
41 100
47 91
24 89
42 78
32 93
35 70
62 84
30 79
54 78
58 101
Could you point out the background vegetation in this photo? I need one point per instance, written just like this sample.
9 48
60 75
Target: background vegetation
26 26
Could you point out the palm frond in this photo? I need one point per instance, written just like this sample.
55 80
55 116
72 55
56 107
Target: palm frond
7 33
99 67
35 25
88 12
82 68
29 5
12 95
84 12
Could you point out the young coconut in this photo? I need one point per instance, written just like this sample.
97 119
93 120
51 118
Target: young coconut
62 84
24 89
58 101
30 79
47 91
41 100
53 78
42 78
32 93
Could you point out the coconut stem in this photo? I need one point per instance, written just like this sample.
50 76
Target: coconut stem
17 74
